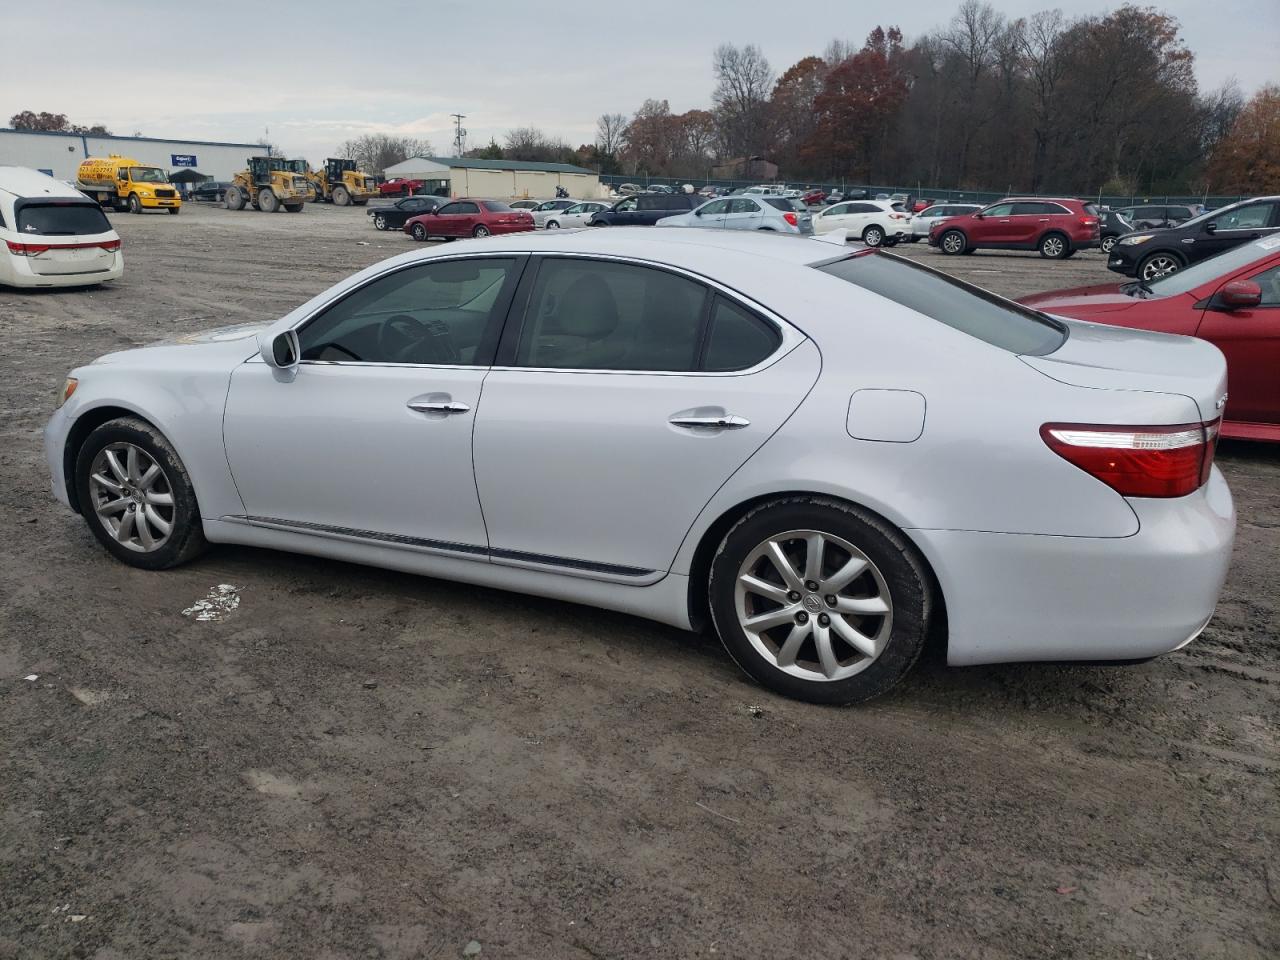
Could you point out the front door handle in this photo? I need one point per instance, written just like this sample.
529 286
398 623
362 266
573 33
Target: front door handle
726 422
437 406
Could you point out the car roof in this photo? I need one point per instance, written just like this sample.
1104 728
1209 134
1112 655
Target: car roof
28 183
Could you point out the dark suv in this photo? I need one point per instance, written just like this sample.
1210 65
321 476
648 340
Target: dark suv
645 209
1148 254
1056 227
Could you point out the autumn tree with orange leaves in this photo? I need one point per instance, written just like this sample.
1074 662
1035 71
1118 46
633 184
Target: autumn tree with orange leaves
1247 160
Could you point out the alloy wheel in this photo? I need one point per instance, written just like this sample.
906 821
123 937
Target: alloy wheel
481 231
953 243
873 237
1108 243
1159 266
1053 247
380 222
813 605
131 497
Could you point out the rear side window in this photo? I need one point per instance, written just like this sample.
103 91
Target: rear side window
739 339
953 302
61 219
496 206
1179 213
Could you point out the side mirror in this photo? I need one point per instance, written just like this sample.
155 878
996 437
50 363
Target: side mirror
282 351
1240 295
977 214
1211 228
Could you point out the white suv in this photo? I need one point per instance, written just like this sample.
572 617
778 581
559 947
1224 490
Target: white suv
874 222
52 235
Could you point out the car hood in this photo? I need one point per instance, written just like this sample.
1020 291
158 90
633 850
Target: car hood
233 341
1101 298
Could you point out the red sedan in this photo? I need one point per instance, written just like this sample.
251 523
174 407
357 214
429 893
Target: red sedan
1232 300
467 217
400 187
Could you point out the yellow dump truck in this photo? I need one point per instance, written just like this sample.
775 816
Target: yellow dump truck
341 183
270 184
126 184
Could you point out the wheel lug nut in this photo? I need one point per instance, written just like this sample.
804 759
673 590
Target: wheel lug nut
794 596
831 599
802 617
824 620
811 586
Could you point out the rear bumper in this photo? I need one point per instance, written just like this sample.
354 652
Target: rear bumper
1015 597
21 274
500 228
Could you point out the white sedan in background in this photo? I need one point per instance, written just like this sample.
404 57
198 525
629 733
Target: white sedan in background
576 215
548 209
826 455
926 218
874 222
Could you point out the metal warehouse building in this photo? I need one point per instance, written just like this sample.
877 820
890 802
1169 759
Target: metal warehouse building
465 177
59 154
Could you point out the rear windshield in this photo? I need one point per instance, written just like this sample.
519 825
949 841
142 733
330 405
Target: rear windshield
959 305
61 219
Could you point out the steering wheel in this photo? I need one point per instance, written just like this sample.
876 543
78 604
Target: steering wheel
401 335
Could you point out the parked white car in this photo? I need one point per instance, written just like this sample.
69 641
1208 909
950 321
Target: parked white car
926 218
874 222
52 235
825 455
576 215
549 208
769 213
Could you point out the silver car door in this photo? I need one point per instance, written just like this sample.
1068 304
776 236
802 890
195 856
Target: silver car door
744 214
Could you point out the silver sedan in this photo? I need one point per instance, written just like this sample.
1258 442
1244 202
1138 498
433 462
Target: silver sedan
826 455
576 215
549 208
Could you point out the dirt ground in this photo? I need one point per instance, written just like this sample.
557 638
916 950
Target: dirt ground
354 763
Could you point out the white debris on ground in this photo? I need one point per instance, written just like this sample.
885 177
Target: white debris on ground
221 600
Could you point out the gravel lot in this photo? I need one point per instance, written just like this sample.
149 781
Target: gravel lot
355 763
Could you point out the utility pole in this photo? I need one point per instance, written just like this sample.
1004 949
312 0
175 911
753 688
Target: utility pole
459 135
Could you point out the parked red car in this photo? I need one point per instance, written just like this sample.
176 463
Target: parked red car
1232 300
400 187
468 217
814 197
922 204
1056 227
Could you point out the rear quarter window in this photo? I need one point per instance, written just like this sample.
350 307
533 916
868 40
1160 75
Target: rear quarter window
61 219
953 302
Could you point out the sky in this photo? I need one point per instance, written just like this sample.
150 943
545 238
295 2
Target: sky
403 67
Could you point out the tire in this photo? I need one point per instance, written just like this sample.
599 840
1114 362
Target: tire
953 242
1158 264
873 236
185 537
893 593
1053 246
233 199
379 221
552 225
267 200
174 211
294 207
135 205
481 231
419 232
341 197
1107 244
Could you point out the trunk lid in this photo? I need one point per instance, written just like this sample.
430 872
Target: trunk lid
1100 357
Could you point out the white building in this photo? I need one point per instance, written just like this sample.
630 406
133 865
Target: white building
59 154
499 179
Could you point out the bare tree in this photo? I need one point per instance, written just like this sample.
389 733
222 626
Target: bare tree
741 97
374 152
611 133
1042 44
973 37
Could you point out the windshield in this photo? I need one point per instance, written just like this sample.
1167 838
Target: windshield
147 175
62 219
961 306
1188 278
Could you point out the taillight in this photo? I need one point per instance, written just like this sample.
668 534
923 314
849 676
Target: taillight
17 248
26 249
1160 461
897 216
1088 221
791 219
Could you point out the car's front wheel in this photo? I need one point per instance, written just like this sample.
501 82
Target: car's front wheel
380 221
952 241
820 600
419 232
1107 243
136 495
1158 265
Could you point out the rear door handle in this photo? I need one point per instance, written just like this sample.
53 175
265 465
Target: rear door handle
437 406
726 422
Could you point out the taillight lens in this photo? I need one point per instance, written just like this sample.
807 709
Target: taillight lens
791 218
1160 461
20 249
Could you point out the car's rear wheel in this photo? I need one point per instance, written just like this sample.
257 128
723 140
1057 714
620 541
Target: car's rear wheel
1107 243
1158 265
873 236
820 600
380 221
136 495
1053 246
419 232
953 242
480 231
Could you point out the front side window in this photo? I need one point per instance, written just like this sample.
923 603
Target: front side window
716 208
999 210
626 205
433 313
1269 281
1244 218
953 302
61 219
839 210
597 315
147 175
